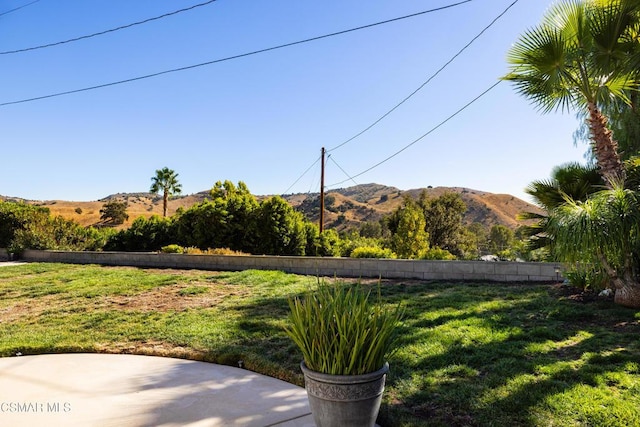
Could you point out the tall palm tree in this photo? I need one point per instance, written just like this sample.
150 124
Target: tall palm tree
580 57
584 55
166 180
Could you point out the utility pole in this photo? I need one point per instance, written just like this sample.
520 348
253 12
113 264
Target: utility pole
322 191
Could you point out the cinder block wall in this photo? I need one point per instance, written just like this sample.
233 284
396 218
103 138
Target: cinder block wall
341 267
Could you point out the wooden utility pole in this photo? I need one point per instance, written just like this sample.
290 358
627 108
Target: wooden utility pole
322 191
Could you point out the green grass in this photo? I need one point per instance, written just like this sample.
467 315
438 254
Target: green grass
470 354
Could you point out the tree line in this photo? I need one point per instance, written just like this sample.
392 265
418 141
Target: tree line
234 219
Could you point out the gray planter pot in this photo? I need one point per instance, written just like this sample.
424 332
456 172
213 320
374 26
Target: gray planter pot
344 400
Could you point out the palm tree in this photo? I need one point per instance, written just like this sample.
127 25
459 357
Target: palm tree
603 230
625 124
581 57
166 180
570 180
584 55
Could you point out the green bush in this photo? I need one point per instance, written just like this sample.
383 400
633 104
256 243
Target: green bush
587 277
437 254
372 252
280 230
145 234
172 249
329 244
224 251
24 226
16 216
214 251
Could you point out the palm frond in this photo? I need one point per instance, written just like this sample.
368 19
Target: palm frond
580 53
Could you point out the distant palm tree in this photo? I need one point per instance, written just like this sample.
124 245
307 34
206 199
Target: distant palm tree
582 56
166 180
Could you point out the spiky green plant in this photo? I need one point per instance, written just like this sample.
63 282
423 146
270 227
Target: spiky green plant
340 331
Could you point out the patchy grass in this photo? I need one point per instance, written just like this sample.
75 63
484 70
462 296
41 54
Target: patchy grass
470 355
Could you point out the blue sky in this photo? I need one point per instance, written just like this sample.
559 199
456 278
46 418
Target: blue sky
263 119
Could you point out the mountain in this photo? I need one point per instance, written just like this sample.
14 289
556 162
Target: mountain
348 207
344 208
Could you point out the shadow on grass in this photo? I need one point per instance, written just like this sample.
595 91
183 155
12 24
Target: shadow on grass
508 364
484 354
469 354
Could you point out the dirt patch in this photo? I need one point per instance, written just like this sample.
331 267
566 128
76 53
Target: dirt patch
152 348
29 309
178 297
168 298
442 415
572 293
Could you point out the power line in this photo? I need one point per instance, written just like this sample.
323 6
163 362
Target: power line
107 31
255 52
303 174
330 157
423 136
427 81
18 8
316 177
315 181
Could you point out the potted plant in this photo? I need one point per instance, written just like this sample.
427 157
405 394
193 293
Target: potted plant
345 340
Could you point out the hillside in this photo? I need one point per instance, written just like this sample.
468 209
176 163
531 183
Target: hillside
88 213
348 207
345 208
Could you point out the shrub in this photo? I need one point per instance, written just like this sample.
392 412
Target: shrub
372 252
329 243
172 249
224 251
587 277
16 216
280 230
192 250
44 232
213 251
349 242
437 254
145 234
507 255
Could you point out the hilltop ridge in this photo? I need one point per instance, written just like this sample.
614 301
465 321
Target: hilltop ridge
344 207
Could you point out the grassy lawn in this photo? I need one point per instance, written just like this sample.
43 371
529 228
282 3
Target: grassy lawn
471 354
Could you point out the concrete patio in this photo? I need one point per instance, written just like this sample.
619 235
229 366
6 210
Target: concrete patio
128 390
